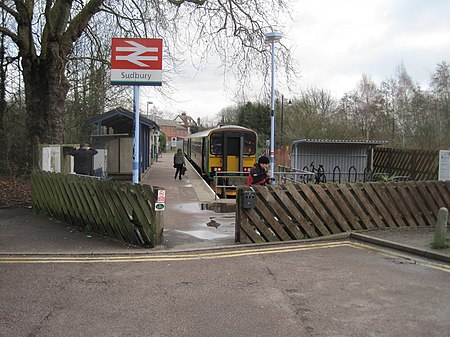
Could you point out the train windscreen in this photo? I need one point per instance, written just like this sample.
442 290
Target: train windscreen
216 144
249 143
233 144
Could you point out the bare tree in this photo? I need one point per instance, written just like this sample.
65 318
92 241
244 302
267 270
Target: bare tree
363 107
440 87
45 33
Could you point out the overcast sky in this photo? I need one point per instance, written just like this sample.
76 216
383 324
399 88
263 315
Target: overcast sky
335 42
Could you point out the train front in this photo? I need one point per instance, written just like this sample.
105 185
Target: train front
232 152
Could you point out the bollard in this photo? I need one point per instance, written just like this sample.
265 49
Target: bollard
440 232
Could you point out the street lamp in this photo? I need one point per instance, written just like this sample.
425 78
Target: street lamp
148 103
271 38
289 102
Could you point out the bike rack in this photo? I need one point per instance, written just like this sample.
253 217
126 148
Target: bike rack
352 168
337 168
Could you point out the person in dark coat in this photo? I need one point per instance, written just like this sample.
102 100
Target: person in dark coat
258 173
178 163
83 158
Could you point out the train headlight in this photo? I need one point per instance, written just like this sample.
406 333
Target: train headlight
217 169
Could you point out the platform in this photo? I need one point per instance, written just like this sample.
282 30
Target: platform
193 217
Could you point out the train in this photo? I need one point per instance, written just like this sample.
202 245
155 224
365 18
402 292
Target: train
226 151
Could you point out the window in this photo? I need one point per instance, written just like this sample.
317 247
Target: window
216 144
249 144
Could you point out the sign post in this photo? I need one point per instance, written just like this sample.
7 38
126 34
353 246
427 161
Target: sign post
137 137
136 62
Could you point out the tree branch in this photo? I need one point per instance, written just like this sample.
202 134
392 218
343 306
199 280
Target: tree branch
79 23
180 2
9 10
10 34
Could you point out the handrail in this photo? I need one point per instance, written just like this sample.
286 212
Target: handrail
228 174
305 177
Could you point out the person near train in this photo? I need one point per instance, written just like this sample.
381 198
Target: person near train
259 175
178 163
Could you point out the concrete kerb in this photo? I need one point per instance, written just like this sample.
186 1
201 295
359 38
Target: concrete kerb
400 247
161 251
342 237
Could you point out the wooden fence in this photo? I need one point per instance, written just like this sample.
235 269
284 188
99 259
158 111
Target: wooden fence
417 164
300 211
117 210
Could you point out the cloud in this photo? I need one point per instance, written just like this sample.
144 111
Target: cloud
335 43
341 40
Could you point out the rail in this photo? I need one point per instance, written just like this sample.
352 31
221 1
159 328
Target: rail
228 181
288 174
231 180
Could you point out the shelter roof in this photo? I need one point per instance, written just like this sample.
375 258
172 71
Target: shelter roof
340 141
121 119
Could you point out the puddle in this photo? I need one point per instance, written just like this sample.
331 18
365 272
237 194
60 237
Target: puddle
218 207
193 207
203 234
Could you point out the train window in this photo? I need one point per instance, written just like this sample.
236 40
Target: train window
216 144
249 143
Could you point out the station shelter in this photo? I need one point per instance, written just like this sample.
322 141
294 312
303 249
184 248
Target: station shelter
341 160
114 141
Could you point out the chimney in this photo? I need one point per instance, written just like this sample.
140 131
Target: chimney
198 121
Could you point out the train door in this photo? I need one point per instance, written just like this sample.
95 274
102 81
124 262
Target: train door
233 152
205 156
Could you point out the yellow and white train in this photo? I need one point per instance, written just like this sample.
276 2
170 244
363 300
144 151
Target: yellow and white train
226 149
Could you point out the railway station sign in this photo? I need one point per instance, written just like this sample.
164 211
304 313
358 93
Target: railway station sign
136 61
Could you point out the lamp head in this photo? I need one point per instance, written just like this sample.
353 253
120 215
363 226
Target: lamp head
273 37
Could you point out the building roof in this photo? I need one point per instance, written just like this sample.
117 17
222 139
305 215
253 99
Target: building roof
167 122
185 120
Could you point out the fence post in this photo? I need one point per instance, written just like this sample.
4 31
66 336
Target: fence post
440 231
238 217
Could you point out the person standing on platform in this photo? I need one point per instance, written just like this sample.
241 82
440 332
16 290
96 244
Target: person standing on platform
83 158
178 163
258 174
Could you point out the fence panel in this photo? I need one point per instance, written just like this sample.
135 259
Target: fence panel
117 210
417 164
296 211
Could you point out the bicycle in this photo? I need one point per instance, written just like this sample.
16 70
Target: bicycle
319 173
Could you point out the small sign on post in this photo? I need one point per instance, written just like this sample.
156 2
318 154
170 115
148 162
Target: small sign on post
160 203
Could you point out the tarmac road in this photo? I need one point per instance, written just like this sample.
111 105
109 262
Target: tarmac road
333 288
58 281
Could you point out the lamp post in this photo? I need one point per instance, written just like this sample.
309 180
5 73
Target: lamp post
289 102
148 103
282 118
154 134
282 148
271 38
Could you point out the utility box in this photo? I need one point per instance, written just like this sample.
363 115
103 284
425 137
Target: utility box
248 199
55 158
